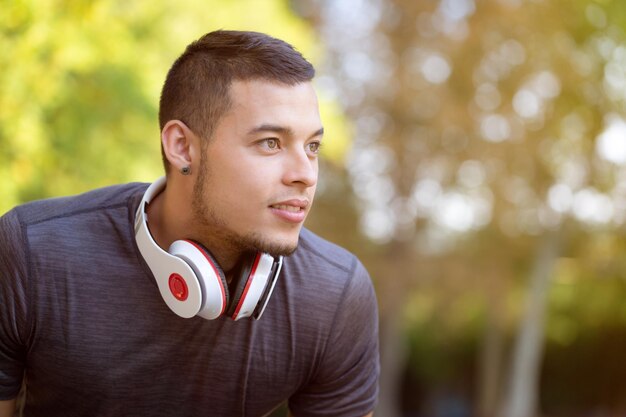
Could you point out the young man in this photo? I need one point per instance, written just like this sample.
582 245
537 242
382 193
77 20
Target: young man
131 300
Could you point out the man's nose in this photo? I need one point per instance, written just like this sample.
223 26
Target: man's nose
301 169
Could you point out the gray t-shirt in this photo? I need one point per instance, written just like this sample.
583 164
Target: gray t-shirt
81 317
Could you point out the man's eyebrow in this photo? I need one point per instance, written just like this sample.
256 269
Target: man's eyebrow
287 131
319 132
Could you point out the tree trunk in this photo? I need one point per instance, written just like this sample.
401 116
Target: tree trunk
490 360
522 396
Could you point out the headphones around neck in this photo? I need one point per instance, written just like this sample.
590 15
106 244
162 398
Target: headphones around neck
191 281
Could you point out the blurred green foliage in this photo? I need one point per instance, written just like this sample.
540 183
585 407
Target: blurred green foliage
80 82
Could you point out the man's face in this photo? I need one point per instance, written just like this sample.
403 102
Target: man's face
259 170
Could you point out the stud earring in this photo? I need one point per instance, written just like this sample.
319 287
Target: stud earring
185 170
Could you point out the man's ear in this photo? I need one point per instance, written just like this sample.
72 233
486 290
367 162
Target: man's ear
179 144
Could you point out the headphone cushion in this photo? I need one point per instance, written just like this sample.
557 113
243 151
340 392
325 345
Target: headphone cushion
241 276
216 267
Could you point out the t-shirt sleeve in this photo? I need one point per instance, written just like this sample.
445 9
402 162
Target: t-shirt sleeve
13 312
346 382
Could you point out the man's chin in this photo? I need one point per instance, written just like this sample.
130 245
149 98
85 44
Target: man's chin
274 247
277 249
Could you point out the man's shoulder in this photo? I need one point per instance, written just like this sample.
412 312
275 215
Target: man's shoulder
39 211
324 253
321 264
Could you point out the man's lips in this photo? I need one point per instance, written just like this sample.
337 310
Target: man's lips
295 204
293 210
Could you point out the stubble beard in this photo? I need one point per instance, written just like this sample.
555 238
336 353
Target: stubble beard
212 222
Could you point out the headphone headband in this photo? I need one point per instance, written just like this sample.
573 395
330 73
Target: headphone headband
162 264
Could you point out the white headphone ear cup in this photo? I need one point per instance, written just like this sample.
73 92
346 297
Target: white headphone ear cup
209 275
255 273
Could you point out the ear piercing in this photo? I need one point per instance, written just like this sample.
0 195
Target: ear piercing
185 170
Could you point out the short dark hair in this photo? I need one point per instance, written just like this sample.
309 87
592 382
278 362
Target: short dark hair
197 86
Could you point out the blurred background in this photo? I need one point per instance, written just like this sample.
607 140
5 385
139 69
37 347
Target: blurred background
475 160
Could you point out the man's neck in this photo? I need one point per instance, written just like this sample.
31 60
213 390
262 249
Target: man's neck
170 218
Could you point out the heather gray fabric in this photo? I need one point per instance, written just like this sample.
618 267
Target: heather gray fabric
80 313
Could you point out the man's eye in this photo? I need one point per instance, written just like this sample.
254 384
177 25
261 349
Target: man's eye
271 143
314 147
